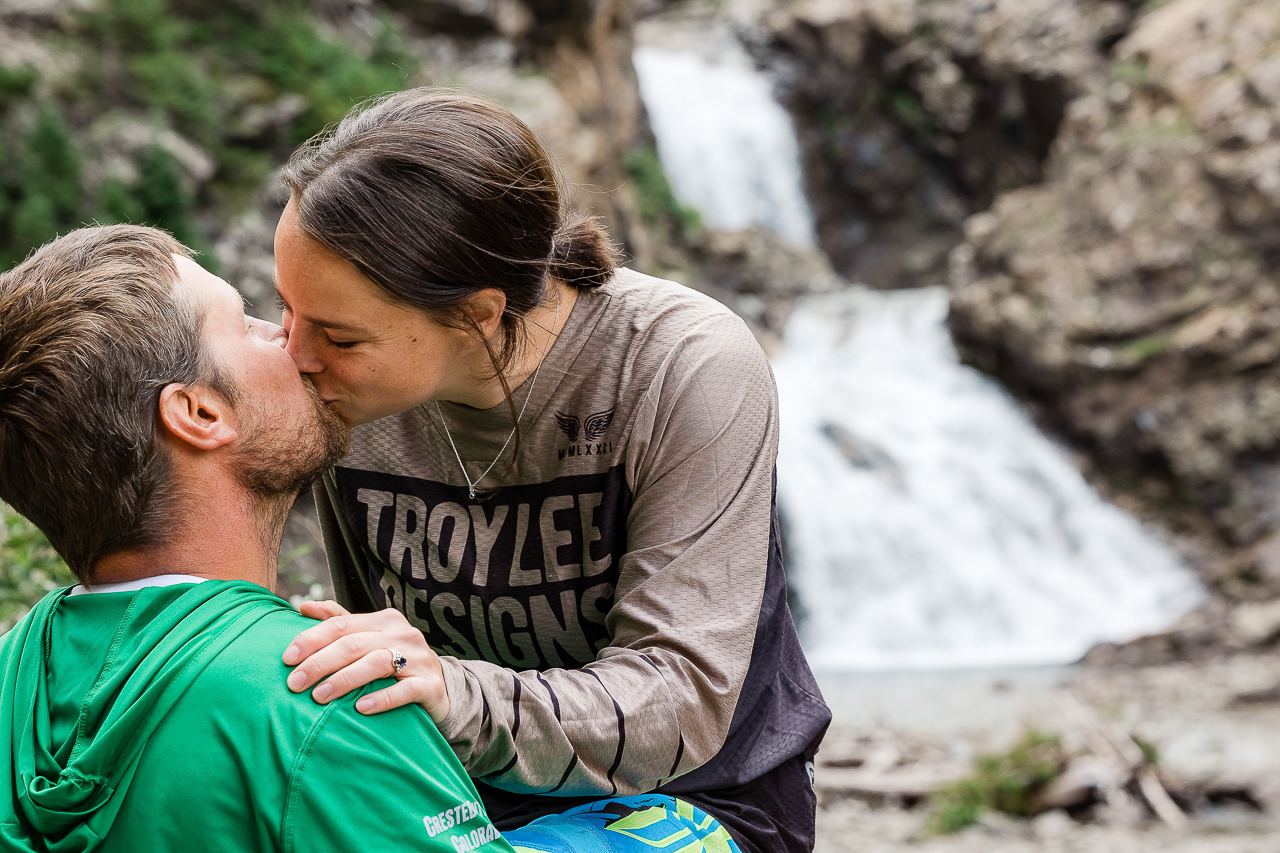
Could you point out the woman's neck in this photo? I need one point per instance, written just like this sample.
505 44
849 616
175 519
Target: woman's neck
543 326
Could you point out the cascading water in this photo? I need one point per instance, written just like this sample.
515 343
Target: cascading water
728 148
929 523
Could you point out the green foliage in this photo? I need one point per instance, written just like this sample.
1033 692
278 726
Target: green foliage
162 200
173 84
195 68
1136 352
40 187
1135 72
908 110
658 205
1150 752
50 164
285 47
1007 783
16 82
29 567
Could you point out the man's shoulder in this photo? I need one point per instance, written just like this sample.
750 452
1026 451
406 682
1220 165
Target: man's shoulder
254 661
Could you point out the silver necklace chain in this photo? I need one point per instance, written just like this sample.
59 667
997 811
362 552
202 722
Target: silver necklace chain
471 484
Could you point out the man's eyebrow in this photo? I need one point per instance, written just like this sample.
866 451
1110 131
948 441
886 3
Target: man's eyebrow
324 324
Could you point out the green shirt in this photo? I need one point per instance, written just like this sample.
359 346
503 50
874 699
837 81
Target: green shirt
159 720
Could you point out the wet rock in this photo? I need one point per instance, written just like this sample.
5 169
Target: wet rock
758 274
1255 623
468 18
40 9
503 48
116 141
912 114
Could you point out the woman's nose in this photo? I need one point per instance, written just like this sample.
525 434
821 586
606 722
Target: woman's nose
302 356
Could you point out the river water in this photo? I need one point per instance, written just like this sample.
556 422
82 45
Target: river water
929 524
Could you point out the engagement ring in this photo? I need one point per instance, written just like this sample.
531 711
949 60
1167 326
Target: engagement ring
398 661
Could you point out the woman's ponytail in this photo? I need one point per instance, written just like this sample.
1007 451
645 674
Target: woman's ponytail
582 254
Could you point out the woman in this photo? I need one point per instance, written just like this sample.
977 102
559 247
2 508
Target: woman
556 525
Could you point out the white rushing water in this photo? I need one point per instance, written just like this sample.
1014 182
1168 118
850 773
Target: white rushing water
930 525
728 148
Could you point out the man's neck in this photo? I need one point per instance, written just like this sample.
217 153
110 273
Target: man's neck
219 537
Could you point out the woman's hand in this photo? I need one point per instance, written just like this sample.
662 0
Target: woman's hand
352 649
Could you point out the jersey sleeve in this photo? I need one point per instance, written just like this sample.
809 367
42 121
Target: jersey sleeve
658 700
382 782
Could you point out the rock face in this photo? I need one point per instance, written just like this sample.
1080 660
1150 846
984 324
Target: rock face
1134 292
913 114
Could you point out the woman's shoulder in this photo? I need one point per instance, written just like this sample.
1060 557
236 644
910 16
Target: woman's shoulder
667 309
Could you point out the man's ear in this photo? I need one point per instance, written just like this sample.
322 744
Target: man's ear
197 415
485 307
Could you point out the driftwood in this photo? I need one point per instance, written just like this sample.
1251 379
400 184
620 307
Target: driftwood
878 770
913 782
1120 760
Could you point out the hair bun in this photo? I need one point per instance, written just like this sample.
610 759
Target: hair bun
581 252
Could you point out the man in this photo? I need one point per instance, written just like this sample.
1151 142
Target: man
158 437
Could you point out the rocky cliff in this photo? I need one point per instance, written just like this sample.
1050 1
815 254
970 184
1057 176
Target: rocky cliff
913 115
1134 292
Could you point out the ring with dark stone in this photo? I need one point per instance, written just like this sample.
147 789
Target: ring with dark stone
398 661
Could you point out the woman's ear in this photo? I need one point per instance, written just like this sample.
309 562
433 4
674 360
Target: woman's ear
197 415
485 308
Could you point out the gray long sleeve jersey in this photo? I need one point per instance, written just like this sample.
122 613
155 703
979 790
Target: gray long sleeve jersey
612 620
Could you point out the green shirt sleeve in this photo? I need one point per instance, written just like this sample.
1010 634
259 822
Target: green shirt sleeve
384 782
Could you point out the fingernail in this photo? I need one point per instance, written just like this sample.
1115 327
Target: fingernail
297 680
323 692
365 705
291 655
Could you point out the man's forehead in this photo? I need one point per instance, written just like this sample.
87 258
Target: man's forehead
203 290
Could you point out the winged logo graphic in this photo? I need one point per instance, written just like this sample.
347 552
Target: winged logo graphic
596 424
593 428
569 424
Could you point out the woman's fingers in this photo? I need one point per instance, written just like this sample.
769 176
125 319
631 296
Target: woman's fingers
349 650
342 623
341 656
372 666
429 692
321 609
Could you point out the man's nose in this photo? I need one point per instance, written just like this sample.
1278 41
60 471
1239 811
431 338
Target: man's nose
270 332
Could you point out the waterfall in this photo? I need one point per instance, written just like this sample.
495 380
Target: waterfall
929 523
728 148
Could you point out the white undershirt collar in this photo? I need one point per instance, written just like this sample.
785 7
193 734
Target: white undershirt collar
133 585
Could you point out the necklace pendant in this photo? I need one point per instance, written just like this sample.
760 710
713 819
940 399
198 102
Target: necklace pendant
472 493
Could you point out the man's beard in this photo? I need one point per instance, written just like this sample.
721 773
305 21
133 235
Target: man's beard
273 465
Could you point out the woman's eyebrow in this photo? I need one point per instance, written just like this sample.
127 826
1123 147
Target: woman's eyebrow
325 324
